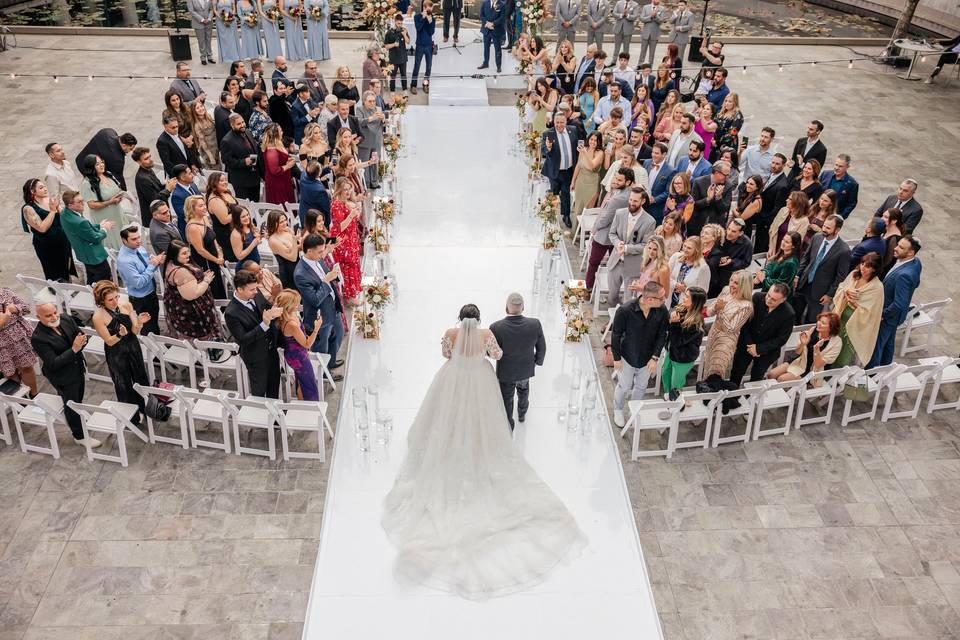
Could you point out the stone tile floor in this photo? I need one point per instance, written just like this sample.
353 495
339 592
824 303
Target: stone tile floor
827 533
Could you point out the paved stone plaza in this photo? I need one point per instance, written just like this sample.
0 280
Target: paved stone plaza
827 533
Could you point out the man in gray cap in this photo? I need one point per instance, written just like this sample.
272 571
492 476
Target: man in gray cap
524 348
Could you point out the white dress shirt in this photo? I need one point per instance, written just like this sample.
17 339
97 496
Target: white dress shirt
59 178
652 175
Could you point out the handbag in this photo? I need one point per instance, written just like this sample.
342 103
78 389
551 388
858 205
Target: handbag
856 389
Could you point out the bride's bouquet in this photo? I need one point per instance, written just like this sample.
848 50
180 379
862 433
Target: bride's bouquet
548 210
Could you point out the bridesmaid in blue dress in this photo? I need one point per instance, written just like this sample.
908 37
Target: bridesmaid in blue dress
296 343
270 21
227 39
293 30
318 42
250 46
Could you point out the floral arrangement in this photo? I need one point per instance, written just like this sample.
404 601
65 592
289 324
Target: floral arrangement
531 142
524 66
384 209
379 13
383 168
552 237
391 144
378 236
573 294
367 324
577 326
251 19
548 210
296 12
227 17
400 103
520 105
533 14
377 295
273 13
316 12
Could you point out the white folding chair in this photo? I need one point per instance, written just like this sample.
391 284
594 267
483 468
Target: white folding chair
585 222
924 317
229 363
698 407
96 351
206 407
794 340
77 298
776 395
46 410
947 372
874 380
746 409
912 379
173 352
653 414
252 413
758 262
302 416
601 285
820 384
35 285
176 412
110 418
21 392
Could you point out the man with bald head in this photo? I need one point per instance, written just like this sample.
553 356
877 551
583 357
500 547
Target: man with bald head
59 343
238 150
280 73
524 349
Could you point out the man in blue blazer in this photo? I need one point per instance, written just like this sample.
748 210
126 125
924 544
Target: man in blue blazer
898 287
303 111
183 190
313 195
558 148
320 298
694 164
843 183
492 27
659 175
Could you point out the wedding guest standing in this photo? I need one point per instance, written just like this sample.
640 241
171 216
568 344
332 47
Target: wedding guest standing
345 87
148 185
687 269
102 193
112 149
293 29
227 38
187 299
163 231
318 40
684 335
371 68
904 200
371 119
245 237
894 220
451 13
250 320
297 344
794 216
598 12
616 199
625 14
277 165
239 152
321 304
638 334
670 233
60 174
136 270
267 283
205 133
682 21
425 25
313 195
859 303
730 311
201 19
118 325
85 238
271 27
40 215
822 268
17 358
345 213
586 176
249 18
808 180
898 287
764 335
632 227
284 245
204 250
396 42
260 116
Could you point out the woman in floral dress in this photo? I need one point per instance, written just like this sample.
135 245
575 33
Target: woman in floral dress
16 354
187 298
345 213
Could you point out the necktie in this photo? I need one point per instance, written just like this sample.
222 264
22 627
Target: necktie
564 154
816 262
900 205
140 258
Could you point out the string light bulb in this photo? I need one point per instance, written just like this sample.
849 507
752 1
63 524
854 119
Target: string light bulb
923 58
90 78
781 68
13 76
850 66
813 64
744 71
56 79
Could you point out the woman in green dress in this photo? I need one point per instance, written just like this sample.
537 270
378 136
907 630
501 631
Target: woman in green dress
586 176
859 303
783 266
102 194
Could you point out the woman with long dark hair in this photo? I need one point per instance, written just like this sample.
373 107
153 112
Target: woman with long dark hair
187 298
40 215
859 303
782 267
244 237
179 109
684 335
285 246
234 86
749 201
102 194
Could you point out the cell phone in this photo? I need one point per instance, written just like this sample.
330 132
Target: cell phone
746 141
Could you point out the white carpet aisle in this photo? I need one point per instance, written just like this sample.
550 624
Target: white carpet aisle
462 238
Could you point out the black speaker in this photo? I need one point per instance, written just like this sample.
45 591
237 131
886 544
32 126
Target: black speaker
693 49
179 46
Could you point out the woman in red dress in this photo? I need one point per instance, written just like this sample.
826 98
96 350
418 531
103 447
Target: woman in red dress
345 213
277 177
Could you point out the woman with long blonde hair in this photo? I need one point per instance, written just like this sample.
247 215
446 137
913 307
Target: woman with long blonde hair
314 146
345 87
345 214
666 125
654 267
297 344
205 252
731 310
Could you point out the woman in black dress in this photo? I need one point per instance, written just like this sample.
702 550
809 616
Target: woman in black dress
118 325
187 300
234 86
345 87
204 250
285 246
40 215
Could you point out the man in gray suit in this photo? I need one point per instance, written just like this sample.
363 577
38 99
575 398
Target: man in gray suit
597 13
652 15
524 349
822 268
568 12
615 200
682 22
371 119
631 229
625 14
201 19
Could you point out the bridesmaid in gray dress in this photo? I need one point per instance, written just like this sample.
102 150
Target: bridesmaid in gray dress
318 42
227 40
293 30
271 19
250 46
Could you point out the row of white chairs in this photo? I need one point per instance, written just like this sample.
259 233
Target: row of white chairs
750 402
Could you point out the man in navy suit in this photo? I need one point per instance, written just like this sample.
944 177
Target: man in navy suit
659 175
694 164
843 183
898 287
303 111
313 195
314 281
184 189
493 30
280 73
560 154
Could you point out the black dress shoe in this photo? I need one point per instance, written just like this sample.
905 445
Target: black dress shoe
337 364
337 377
499 70
674 394
484 66
567 222
212 61
521 417
203 62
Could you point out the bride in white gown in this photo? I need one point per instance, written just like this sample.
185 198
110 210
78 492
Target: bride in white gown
467 513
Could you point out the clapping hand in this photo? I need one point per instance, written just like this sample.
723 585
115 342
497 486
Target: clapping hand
271 314
55 204
157 259
79 342
123 331
208 276
106 225
752 350
724 261
171 184
144 317
805 337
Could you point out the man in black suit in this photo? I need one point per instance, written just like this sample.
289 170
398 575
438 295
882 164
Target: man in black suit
238 151
560 154
149 187
250 319
822 268
170 147
222 113
641 151
587 64
59 343
279 107
524 349
343 119
736 254
112 149
711 198
764 335
903 200
773 198
807 148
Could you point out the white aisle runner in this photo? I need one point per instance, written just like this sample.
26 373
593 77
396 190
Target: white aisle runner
462 238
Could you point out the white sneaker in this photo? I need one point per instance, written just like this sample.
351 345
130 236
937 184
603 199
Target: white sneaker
618 418
90 443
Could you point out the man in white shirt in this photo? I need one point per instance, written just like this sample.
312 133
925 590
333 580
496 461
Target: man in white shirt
623 71
613 99
60 175
680 140
755 160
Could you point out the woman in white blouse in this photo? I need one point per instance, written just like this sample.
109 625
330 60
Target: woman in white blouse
687 269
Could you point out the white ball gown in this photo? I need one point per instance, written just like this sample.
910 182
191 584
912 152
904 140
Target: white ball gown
467 513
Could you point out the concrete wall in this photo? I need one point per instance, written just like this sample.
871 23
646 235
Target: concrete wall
936 17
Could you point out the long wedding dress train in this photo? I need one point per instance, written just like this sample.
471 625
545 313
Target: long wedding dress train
467 513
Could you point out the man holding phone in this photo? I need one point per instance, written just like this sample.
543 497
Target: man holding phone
238 151
321 302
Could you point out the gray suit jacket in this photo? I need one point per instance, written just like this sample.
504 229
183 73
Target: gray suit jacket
681 27
567 11
634 244
200 10
372 132
651 22
624 25
523 345
601 230
684 141
598 11
161 235
831 272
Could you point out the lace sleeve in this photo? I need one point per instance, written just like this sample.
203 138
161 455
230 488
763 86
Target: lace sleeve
446 346
493 348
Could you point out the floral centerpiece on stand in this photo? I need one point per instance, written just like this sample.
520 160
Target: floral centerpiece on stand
533 14
520 105
366 324
391 144
384 209
573 294
380 238
379 13
531 142
377 296
548 210
383 168
400 101
251 19
576 326
552 237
